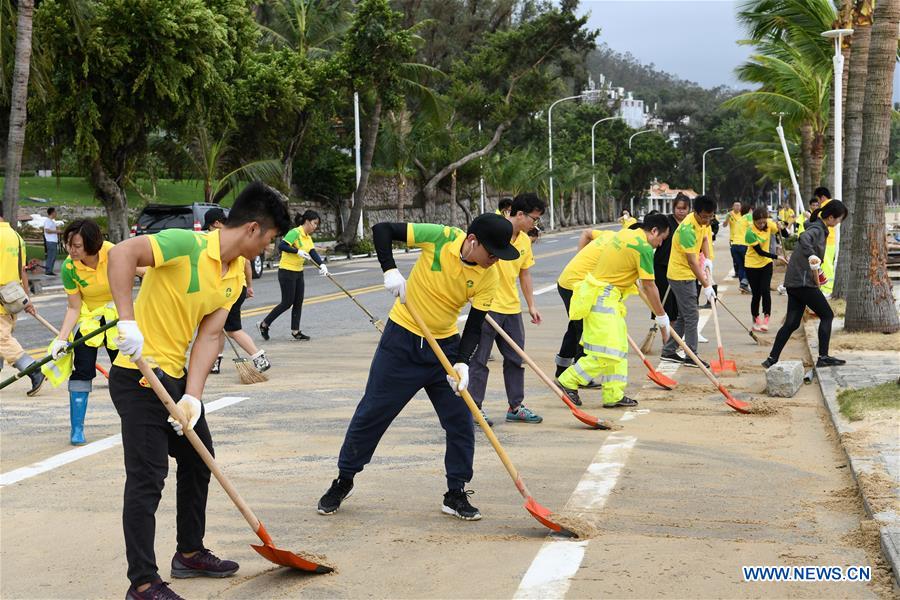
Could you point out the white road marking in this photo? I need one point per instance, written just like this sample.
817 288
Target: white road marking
544 290
349 272
70 456
558 560
550 241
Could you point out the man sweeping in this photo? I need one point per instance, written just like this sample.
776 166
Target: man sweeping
600 301
454 268
194 280
506 310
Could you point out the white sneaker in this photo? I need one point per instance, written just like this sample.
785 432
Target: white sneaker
701 339
260 361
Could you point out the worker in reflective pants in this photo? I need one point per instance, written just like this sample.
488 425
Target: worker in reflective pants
599 300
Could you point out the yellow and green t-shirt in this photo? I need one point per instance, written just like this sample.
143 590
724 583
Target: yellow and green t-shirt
787 215
585 261
440 283
92 284
737 228
300 240
626 223
506 299
830 240
184 285
627 257
756 237
12 256
688 239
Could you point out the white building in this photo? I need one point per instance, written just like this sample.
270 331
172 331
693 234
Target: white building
661 196
632 111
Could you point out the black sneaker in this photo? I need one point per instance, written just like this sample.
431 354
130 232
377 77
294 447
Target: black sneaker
158 590
37 380
486 418
263 330
456 503
340 490
300 336
625 402
769 362
673 357
689 362
592 385
572 394
217 366
202 564
827 361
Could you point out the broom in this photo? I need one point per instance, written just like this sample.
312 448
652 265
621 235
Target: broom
245 370
647 344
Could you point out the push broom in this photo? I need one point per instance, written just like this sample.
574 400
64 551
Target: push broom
247 373
571 527
579 414
647 344
377 323
741 323
267 550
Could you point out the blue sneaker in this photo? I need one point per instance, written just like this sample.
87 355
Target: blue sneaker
523 414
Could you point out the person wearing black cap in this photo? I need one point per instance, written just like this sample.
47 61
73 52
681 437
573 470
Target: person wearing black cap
453 269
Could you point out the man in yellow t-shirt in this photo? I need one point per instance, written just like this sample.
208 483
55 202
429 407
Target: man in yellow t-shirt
599 300
824 197
690 240
590 248
454 268
787 217
12 268
193 280
506 310
737 222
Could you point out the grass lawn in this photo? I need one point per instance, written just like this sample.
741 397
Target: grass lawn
75 191
856 403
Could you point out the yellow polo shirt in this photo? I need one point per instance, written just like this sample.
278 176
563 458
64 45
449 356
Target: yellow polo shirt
756 237
184 285
585 261
626 223
299 239
440 283
787 215
92 284
737 228
688 238
506 299
12 251
830 240
627 256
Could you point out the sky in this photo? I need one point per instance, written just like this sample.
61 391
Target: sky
693 39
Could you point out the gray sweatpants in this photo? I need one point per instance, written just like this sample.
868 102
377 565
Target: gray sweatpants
685 325
513 369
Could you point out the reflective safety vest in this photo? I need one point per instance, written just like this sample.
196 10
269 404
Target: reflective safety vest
89 321
801 223
59 370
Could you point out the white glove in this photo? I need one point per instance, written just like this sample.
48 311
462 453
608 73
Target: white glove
662 321
395 283
304 254
710 293
130 340
707 265
323 270
815 262
191 409
462 369
58 348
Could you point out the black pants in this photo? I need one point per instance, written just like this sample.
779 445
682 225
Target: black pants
291 283
662 284
83 361
760 281
570 348
233 320
403 364
147 442
798 300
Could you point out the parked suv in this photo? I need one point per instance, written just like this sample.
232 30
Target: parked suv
156 217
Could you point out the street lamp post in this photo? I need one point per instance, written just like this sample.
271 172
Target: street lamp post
837 35
357 150
634 135
703 183
550 147
593 174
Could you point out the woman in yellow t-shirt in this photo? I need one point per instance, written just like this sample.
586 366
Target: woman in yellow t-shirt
758 265
296 248
626 219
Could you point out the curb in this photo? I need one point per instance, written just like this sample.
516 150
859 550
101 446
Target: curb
889 522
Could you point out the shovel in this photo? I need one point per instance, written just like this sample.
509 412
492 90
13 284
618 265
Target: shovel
542 514
55 331
663 381
722 365
579 414
267 550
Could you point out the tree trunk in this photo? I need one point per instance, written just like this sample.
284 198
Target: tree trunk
287 158
18 113
359 196
806 143
453 217
401 198
112 195
870 304
817 159
856 90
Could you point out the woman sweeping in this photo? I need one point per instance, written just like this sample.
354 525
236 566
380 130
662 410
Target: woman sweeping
803 282
90 306
758 266
296 247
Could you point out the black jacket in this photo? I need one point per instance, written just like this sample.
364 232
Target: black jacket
811 242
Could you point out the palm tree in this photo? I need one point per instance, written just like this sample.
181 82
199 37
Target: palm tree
18 113
870 304
511 173
313 28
